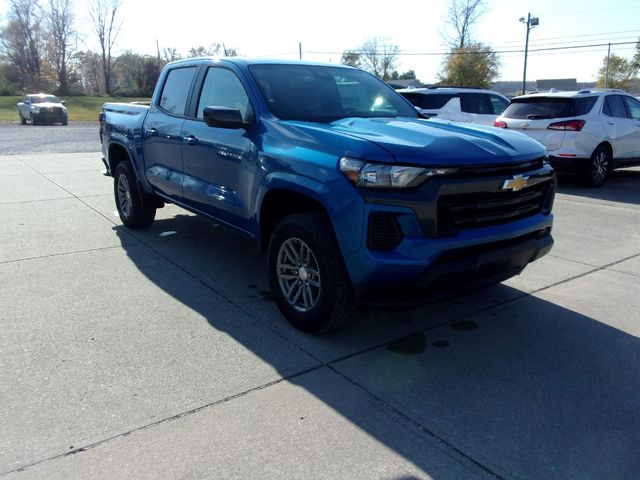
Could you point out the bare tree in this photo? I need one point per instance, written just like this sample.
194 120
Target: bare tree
89 67
103 15
462 15
21 42
379 56
62 36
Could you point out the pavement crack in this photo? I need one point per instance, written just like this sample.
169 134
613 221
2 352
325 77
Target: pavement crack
448 448
177 416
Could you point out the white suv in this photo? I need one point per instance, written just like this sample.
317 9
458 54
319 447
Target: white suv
589 132
473 105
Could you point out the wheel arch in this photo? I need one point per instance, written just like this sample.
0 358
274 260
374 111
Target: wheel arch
608 145
279 203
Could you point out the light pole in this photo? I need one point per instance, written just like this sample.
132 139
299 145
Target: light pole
529 22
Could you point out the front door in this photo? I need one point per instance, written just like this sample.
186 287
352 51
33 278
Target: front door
220 163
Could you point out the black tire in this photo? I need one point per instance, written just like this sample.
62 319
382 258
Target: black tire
136 209
320 296
64 123
600 165
23 121
33 119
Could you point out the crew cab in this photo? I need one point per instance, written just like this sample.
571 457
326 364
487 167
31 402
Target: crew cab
354 197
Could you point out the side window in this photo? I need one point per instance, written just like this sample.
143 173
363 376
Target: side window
634 107
614 106
223 89
176 90
499 104
475 103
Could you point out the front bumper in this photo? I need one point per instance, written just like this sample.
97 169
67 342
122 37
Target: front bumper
459 270
465 230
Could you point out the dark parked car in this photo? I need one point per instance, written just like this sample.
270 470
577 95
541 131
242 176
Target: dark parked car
42 108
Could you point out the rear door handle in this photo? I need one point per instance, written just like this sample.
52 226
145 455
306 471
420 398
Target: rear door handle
190 140
151 132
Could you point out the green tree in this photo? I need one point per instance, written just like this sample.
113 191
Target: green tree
621 72
474 65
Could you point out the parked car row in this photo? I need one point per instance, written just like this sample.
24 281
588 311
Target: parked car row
586 132
42 108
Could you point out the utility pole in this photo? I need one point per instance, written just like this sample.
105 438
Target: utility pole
606 77
529 22
300 49
158 49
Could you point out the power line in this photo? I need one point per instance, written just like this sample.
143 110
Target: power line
423 54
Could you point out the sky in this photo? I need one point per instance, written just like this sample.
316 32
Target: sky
275 28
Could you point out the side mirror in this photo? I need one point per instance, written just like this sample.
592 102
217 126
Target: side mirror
62 102
224 117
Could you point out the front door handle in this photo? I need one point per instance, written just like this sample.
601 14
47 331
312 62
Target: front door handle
190 140
151 132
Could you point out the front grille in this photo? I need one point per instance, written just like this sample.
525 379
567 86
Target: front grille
500 169
384 232
473 210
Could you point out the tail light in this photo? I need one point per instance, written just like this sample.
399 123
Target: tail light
572 125
500 124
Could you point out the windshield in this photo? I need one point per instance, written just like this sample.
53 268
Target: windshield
44 99
537 108
325 94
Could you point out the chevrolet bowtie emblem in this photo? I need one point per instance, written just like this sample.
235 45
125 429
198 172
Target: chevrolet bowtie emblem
518 182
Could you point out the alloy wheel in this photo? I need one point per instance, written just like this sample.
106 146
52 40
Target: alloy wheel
298 275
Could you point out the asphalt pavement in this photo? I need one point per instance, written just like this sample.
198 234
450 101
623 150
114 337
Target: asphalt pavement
160 353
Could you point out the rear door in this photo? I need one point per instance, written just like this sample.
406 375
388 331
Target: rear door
220 163
621 128
162 133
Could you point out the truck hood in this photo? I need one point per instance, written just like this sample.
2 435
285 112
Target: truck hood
434 142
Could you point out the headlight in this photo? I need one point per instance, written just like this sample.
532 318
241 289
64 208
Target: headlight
375 175
35 108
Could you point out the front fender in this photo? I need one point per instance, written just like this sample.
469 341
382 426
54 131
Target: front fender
341 202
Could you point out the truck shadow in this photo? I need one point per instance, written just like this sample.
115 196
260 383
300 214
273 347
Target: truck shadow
513 384
623 186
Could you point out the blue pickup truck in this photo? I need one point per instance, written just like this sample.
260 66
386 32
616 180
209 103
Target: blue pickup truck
353 196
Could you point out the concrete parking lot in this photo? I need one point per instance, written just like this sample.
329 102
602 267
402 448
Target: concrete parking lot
159 353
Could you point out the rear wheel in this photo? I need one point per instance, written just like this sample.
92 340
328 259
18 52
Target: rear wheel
307 277
135 209
599 167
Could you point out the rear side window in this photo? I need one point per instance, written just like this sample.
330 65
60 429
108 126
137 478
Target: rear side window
634 107
176 90
499 104
614 107
476 103
430 101
539 108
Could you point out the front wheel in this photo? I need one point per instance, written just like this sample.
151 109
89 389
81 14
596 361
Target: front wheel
307 277
599 167
134 209
23 121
